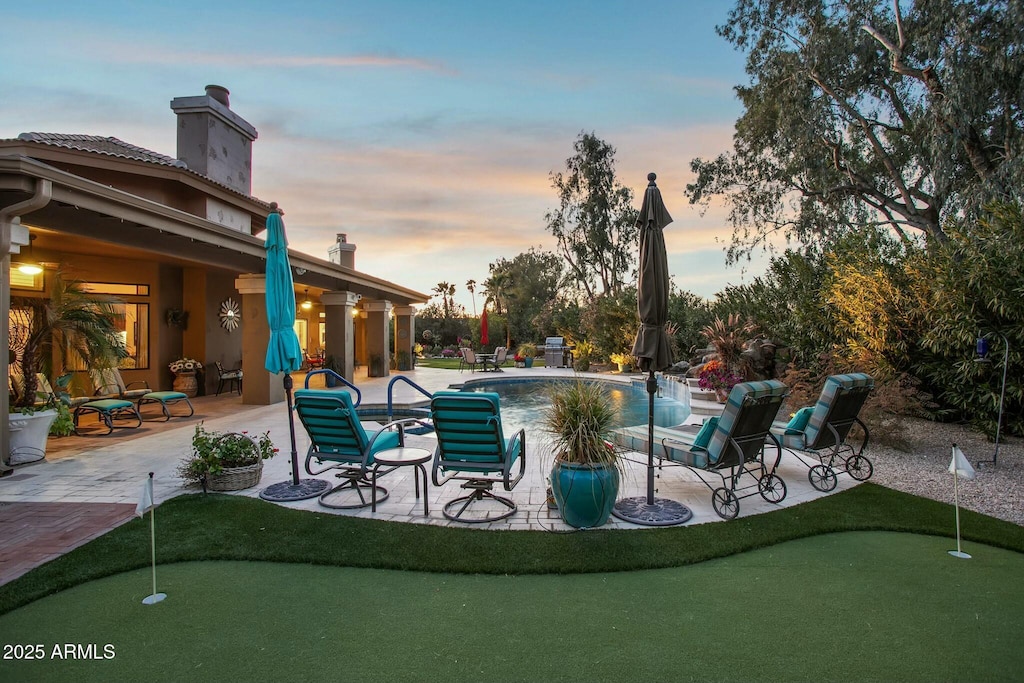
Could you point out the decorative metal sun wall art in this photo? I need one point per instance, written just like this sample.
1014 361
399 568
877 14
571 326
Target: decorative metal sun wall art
230 315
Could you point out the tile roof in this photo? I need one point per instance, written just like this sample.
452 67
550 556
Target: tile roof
110 146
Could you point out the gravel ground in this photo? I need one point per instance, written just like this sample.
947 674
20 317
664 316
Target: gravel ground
997 490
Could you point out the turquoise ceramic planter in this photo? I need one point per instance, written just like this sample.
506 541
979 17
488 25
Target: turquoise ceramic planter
585 493
528 362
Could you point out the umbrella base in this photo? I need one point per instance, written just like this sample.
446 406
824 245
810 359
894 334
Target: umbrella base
663 512
285 491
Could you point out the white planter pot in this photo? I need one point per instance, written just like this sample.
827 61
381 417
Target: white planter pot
28 436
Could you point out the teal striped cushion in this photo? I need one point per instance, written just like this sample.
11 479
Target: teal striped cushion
836 386
333 426
469 433
745 391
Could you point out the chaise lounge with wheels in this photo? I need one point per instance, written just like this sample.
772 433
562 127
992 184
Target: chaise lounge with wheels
818 435
733 445
472 448
339 441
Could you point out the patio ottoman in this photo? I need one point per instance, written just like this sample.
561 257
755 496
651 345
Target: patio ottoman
108 410
165 399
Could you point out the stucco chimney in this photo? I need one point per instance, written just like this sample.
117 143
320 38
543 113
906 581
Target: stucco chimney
342 252
213 140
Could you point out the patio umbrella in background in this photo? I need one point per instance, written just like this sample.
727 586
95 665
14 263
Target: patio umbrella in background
283 351
484 339
652 350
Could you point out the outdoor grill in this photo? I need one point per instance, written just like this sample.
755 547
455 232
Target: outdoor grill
556 353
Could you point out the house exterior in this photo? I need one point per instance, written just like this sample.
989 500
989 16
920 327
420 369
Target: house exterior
179 242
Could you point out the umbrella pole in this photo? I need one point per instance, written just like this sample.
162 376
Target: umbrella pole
648 510
652 389
295 489
288 384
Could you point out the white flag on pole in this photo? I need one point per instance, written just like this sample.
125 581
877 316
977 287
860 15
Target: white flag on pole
146 498
959 465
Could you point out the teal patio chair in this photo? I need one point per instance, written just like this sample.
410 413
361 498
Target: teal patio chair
339 441
821 432
733 444
472 448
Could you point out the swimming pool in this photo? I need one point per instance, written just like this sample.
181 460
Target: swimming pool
523 403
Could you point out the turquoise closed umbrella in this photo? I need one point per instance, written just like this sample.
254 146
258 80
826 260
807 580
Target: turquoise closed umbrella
283 351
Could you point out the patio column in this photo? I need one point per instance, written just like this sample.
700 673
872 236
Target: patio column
13 236
259 387
378 358
359 328
340 341
405 336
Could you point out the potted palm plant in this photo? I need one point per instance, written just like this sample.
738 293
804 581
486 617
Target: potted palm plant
585 474
527 352
72 324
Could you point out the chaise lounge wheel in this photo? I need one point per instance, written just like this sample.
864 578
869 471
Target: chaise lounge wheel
822 477
772 488
725 502
859 467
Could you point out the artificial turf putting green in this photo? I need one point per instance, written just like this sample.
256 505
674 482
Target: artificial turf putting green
851 606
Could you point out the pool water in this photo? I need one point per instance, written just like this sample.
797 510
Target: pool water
523 404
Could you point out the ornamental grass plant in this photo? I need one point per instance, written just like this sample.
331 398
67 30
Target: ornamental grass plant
579 421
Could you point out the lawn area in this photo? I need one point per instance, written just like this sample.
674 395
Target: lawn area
260 592
850 606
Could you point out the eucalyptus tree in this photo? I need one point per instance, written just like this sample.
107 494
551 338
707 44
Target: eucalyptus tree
595 223
863 112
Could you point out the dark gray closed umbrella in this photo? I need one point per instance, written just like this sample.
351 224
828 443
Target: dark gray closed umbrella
652 349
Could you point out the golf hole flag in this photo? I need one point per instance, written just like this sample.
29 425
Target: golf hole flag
145 505
959 467
146 497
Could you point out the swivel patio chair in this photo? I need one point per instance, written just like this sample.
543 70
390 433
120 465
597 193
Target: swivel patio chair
472 448
338 441
733 444
500 357
821 432
232 378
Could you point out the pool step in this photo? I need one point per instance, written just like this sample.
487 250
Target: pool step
702 402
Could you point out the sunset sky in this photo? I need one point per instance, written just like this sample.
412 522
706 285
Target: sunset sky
424 130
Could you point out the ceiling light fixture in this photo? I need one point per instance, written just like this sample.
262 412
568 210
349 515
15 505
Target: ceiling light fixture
307 304
30 266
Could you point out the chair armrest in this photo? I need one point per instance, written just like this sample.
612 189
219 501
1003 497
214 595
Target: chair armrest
144 383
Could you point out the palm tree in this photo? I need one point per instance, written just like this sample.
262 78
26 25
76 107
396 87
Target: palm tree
446 291
471 286
76 323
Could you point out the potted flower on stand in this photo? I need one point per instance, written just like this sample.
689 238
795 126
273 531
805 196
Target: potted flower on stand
585 474
185 370
715 377
228 461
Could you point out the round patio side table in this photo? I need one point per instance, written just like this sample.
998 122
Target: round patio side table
402 457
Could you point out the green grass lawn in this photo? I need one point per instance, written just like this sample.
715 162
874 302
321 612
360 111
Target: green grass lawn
851 606
260 592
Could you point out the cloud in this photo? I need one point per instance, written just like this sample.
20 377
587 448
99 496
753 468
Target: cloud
129 54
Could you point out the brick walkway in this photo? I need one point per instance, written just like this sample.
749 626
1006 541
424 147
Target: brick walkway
35 533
